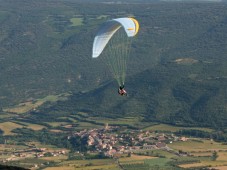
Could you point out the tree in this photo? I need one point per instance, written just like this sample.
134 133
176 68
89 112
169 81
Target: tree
214 156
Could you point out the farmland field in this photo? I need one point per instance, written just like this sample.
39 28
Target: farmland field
76 21
104 164
161 162
40 145
56 124
202 150
169 128
33 104
7 127
60 168
11 147
197 145
119 121
135 159
59 158
163 153
87 165
203 163
32 126
221 167
87 125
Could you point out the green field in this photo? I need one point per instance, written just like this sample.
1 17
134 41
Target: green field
42 145
34 104
6 115
135 159
87 164
197 145
76 21
201 150
33 126
57 124
163 153
11 147
170 128
160 162
58 159
207 162
7 127
117 121
101 163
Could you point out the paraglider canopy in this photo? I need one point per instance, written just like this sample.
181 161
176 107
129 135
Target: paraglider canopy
114 41
130 25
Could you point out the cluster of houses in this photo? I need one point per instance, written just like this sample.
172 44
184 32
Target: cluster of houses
112 140
32 153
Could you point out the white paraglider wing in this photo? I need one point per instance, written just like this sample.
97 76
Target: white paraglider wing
105 33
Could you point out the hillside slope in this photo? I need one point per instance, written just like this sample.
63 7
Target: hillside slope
172 93
46 46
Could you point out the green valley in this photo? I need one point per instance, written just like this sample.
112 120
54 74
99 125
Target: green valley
59 107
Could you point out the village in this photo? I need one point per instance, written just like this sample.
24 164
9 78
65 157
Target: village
116 143
32 152
112 140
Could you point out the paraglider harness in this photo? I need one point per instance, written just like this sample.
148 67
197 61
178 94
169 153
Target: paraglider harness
122 91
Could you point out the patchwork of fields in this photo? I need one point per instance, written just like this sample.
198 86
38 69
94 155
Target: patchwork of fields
198 152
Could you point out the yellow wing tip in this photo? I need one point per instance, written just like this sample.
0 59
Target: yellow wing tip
136 25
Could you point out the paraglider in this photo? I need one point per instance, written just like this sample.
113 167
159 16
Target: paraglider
113 41
122 91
